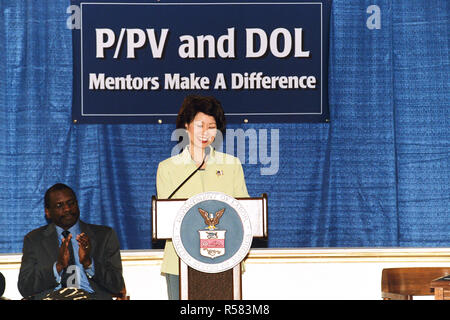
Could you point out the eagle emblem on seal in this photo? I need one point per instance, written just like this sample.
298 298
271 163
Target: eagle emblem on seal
211 220
212 241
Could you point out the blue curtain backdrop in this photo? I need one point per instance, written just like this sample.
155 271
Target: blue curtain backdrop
376 175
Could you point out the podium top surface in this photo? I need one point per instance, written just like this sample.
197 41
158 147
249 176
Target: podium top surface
164 212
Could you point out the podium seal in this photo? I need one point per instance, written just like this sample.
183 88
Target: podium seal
212 232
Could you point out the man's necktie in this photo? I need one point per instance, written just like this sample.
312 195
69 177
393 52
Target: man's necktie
65 275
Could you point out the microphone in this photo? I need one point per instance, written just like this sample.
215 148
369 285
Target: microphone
207 151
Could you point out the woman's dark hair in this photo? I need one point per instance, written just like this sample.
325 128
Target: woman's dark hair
194 104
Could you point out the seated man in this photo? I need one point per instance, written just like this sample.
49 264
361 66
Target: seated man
69 253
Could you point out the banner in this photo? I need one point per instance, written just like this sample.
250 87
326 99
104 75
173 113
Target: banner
134 62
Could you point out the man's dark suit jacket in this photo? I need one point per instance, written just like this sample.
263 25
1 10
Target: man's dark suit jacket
40 252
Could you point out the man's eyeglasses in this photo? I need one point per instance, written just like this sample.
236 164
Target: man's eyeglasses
70 203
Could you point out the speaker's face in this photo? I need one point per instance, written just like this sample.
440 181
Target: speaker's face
202 130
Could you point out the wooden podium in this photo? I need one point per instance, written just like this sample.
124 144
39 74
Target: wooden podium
195 284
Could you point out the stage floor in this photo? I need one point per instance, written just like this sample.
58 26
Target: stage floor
273 274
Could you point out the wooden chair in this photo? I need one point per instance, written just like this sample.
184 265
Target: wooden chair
404 283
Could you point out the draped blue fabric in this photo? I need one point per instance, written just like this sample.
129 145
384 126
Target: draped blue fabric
376 175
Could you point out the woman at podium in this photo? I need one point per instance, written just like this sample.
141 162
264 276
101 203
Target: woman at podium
203 120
